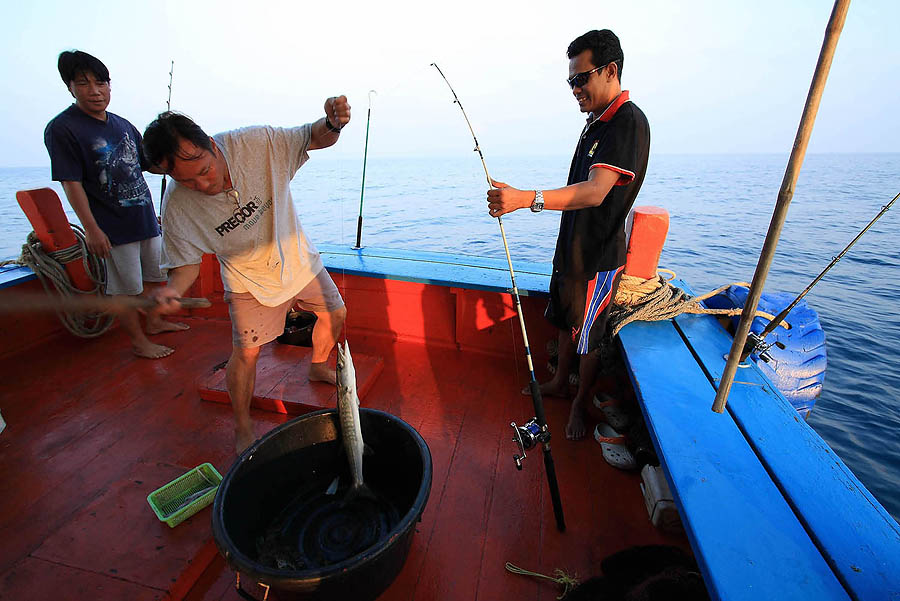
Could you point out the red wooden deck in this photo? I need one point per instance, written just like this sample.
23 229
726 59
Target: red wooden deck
92 430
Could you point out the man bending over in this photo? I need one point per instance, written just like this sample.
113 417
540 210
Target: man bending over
232 198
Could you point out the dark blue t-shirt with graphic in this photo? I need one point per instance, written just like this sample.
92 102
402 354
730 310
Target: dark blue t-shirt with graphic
107 158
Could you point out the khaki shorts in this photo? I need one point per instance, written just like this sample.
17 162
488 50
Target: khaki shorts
130 265
254 324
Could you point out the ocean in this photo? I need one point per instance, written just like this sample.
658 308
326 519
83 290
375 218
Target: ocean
720 207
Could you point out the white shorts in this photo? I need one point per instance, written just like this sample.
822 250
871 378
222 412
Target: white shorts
254 324
130 265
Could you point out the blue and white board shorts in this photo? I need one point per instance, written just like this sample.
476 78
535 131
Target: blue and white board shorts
130 265
583 306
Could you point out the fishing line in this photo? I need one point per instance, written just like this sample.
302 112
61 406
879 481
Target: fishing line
525 437
342 178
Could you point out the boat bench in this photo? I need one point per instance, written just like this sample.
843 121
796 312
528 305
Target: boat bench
770 511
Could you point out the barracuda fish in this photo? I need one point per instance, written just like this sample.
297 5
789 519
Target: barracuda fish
348 410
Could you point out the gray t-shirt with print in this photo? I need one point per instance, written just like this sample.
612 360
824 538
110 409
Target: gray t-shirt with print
253 230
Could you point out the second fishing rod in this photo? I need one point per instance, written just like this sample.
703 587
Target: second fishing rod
535 431
756 343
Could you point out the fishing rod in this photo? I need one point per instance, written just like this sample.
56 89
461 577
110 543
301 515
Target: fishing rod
755 341
162 188
362 188
535 431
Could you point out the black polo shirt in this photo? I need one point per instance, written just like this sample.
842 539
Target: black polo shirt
593 239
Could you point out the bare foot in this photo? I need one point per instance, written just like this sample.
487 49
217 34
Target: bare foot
243 438
320 372
157 326
152 351
576 429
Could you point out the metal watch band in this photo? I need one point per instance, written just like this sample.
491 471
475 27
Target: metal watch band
537 205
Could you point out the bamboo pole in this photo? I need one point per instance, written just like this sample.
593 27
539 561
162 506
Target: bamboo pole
832 33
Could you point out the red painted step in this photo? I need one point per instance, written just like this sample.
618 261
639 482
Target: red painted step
282 385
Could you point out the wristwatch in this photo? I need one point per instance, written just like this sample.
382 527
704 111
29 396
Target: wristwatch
330 126
538 204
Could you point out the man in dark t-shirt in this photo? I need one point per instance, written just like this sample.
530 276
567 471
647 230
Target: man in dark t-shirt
98 158
606 174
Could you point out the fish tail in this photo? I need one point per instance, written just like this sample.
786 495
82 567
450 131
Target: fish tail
361 491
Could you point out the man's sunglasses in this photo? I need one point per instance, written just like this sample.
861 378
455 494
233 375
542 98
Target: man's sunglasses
579 79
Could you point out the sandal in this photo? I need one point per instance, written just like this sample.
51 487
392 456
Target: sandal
615 452
612 411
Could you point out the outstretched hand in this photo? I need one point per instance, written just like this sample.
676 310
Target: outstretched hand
337 109
503 198
165 299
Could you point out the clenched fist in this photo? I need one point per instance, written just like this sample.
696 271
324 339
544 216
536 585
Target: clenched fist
337 109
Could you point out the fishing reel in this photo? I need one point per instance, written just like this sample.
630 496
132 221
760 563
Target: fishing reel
527 437
757 345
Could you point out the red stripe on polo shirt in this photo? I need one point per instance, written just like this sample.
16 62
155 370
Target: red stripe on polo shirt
610 111
626 176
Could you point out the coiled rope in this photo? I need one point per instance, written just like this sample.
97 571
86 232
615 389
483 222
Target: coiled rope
656 299
49 267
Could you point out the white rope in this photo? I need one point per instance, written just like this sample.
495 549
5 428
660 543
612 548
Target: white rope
50 269
656 299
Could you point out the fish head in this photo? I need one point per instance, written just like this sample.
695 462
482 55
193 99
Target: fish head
348 360
341 358
346 374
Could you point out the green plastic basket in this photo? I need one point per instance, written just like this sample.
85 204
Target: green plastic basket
168 502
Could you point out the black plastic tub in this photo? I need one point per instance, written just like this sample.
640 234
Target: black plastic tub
280 482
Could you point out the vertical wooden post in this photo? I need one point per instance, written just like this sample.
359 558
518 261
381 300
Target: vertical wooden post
832 33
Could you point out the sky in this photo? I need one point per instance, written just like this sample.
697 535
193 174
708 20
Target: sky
711 76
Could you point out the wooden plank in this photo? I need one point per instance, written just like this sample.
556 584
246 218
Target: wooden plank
417 256
147 551
746 539
858 537
122 416
440 269
414 389
466 490
34 578
282 385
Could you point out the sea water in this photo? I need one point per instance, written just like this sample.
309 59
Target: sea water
720 207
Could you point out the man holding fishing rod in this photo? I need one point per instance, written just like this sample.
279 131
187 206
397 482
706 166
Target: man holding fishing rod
97 157
604 179
232 198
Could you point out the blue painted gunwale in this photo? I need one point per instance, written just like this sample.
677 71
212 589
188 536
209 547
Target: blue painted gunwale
13 275
440 269
747 540
856 535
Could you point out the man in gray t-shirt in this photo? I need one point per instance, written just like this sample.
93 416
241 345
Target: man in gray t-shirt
232 198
